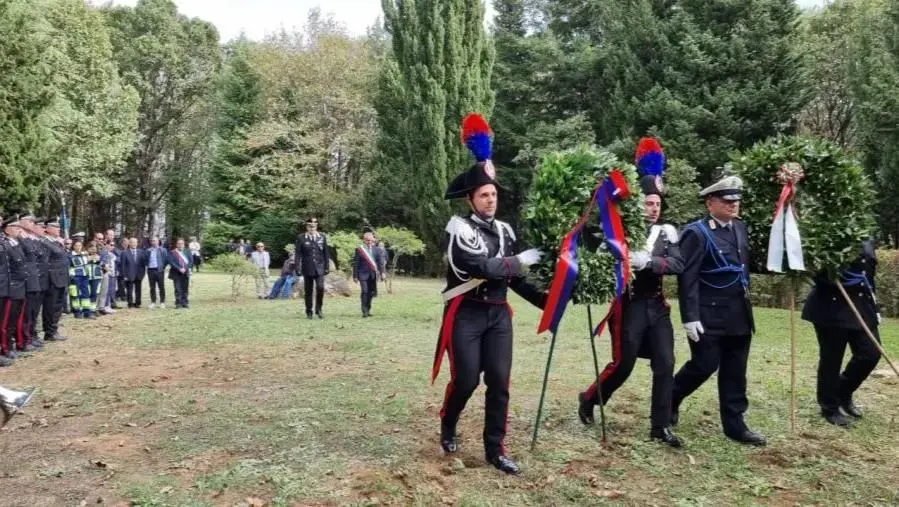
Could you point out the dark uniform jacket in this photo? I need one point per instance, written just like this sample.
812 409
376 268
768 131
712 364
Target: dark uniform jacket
4 269
31 249
58 261
477 249
43 263
714 286
312 255
825 305
666 260
15 258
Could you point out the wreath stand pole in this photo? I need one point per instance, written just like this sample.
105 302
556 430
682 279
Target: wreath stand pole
865 327
549 359
602 412
792 355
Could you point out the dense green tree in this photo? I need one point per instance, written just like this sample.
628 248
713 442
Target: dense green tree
26 91
440 71
173 62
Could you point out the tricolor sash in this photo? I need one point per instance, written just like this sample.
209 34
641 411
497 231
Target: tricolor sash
365 256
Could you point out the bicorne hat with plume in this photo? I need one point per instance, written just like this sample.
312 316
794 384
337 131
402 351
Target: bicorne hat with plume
478 137
650 160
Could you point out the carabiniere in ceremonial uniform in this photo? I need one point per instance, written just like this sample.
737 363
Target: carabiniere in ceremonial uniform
715 308
646 316
477 327
836 326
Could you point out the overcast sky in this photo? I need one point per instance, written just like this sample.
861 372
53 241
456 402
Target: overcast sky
260 17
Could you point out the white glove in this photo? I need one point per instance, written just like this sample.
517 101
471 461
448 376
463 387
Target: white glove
529 257
694 329
640 259
879 319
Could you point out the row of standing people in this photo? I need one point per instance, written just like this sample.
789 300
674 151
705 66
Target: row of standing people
101 274
711 258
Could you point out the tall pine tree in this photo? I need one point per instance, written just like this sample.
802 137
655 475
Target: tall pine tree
440 70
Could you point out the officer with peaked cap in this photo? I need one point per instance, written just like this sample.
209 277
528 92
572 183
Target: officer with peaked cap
646 329
715 307
55 297
13 336
484 262
33 295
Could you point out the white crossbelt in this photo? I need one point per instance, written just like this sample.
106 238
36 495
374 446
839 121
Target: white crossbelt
462 289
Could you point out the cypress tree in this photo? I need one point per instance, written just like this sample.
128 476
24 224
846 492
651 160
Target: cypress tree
440 70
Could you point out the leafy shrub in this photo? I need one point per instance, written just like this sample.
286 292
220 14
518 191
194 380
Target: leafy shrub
236 265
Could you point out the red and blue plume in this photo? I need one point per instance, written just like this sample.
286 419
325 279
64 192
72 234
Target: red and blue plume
477 136
650 158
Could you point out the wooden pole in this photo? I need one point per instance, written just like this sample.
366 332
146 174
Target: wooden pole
792 355
602 413
865 327
549 359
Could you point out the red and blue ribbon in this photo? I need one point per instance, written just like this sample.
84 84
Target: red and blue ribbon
607 195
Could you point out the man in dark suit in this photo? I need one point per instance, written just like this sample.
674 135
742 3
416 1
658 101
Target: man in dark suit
369 264
715 308
157 260
14 308
836 326
313 263
134 268
180 261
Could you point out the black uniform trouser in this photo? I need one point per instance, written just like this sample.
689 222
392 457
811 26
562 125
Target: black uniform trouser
11 336
181 283
319 282
14 322
52 310
369 291
481 342
133 288
156 277
728 355
835 388
33 310
646 327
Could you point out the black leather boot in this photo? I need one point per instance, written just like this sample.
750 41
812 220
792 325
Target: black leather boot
851 409
505 464
448 439
585 409
666 436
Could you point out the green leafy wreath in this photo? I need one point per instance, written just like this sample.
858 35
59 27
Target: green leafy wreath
833 201
559 195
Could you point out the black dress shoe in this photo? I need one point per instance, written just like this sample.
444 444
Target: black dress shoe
666 436
320 315
55 338
505 464
851 410
837 419
585 409
448 439
309 316
749 437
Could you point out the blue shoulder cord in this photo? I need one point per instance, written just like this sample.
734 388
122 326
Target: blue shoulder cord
852 279
723 265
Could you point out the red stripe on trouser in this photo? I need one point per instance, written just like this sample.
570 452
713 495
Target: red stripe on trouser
20 324
4 331
446 345
616 355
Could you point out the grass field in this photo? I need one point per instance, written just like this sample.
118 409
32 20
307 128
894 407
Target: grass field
249 403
